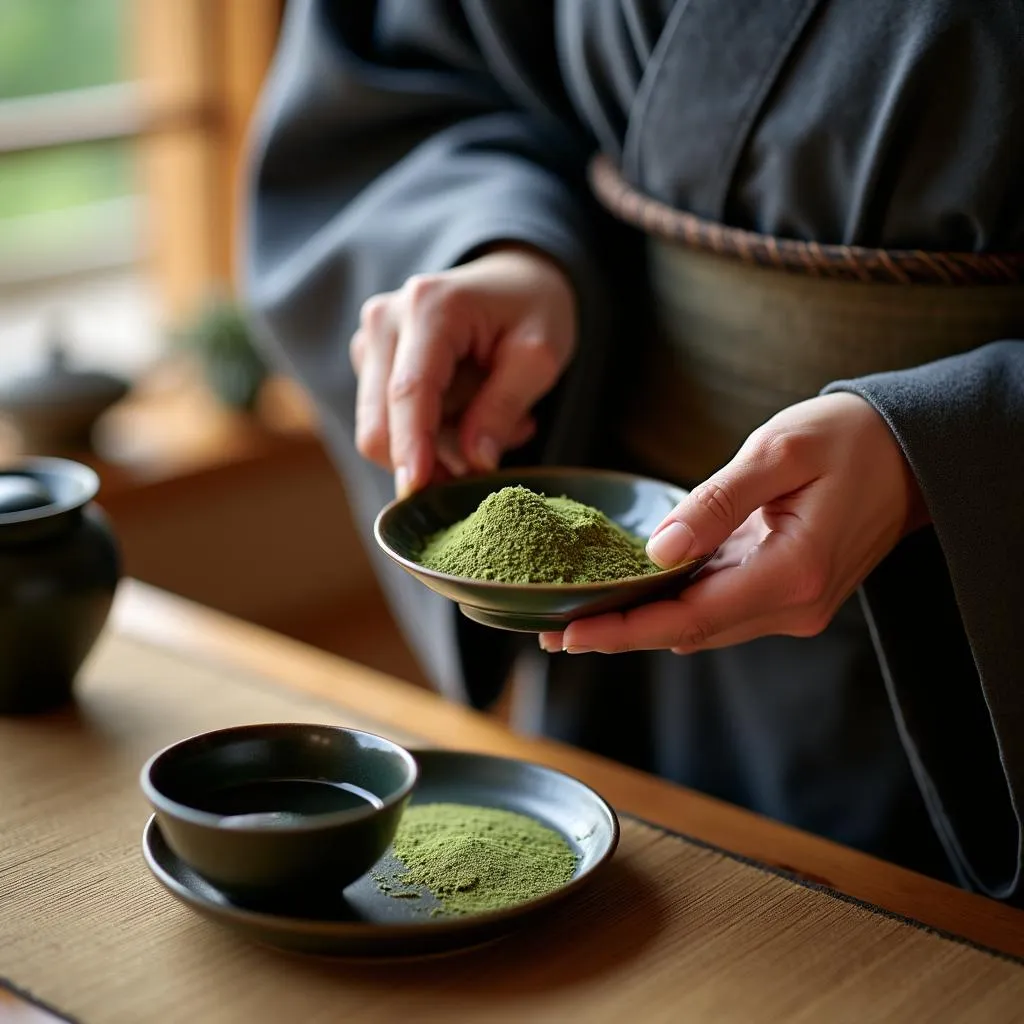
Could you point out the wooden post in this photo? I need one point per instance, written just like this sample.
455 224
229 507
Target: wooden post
206 58
251 30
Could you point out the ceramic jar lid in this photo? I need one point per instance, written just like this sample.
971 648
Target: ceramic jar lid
59 384
55 410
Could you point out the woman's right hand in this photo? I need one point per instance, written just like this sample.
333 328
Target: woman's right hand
451 364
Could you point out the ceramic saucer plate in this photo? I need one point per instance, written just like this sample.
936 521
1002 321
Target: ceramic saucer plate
361 920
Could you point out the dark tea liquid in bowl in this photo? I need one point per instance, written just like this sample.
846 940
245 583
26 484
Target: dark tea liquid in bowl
284 801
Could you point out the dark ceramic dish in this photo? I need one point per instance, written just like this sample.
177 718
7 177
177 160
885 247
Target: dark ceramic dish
360 920
283 806
59 568
636 503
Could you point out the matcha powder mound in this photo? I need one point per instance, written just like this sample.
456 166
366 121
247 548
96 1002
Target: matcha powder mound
517 536
475 859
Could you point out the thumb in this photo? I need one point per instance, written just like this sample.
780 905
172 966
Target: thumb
721 504
522 372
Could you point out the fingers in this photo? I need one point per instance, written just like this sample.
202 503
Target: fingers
551 642
513 313
405 390
449 454
761 595
523 370
761 471
450 451
821 479
431 342
372 351
730 554
523 432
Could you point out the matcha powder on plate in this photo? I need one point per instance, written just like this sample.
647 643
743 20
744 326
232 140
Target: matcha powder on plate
518 536
475 859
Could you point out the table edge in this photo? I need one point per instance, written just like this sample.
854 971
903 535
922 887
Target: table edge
146 614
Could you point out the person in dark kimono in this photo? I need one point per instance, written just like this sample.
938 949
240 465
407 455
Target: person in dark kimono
768 249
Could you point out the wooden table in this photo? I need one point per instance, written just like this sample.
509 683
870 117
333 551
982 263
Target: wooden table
675 929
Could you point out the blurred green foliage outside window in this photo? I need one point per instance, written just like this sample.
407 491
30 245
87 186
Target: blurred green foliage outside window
46 47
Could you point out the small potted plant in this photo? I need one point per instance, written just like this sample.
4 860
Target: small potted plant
221 339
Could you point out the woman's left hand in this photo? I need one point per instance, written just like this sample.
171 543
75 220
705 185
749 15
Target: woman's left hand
810 504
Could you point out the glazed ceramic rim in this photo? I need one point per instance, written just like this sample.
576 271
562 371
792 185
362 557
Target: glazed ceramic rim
312 823
404 930
553 588
86 478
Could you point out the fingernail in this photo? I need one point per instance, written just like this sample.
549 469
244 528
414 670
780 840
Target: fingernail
670 545
456 464
546 644
401 481
488 453
579 650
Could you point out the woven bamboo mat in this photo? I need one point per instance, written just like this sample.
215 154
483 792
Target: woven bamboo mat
671 931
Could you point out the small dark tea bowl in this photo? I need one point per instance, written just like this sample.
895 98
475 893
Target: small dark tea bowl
280 807
636 503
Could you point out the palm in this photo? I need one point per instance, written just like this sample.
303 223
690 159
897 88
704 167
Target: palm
736 547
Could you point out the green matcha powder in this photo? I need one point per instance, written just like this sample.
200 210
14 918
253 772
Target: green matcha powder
517 536
475 859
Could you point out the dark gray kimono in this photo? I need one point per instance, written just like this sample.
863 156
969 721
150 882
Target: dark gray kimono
399 136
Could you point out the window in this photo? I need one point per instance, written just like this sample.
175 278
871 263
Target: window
67 207
122 123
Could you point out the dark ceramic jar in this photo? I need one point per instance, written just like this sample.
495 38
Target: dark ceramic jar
59 567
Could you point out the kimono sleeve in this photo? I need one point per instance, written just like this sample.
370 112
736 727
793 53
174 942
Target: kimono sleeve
946 608
397 137
385 147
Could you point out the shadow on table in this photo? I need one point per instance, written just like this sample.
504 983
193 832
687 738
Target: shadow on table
607 926
74 732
